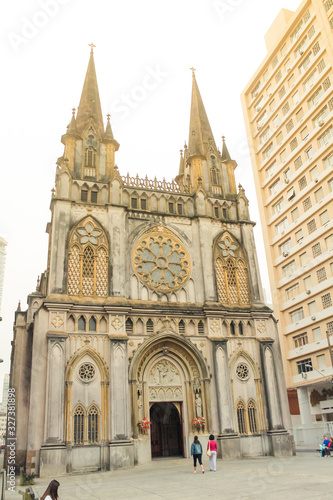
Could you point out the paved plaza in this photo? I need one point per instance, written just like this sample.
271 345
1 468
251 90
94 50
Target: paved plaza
301 477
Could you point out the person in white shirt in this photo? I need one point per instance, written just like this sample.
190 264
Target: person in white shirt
51 492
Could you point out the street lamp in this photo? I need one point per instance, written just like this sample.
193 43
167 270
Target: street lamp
313 368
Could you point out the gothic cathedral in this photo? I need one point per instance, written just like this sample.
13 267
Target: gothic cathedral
150 310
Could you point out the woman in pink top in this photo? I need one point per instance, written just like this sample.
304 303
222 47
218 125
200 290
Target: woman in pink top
212 446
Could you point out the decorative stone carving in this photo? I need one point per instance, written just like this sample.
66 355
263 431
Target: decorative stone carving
214 326
57 321
117 323
166 393
261 327
164 373
198 405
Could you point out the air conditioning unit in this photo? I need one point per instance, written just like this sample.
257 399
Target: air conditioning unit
301 52
285 254
288 69
293 194
316 180
287 181
270 94
308 292
313 318
321 123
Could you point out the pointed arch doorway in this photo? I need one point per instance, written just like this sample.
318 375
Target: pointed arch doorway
166 430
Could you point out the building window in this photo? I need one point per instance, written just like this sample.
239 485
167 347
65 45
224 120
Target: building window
314 173
129 326
224 213
81 325
180 210
307 204
143 203
319 120
241 418
283 155
321 360
330 184
256 89
312 226
240 328
308 283
321 275
277 207
299 115
232 328
302 183
292 291
316 334
304 366
296 315
282 226
319 194
271 169
282 92
252 416
278 76
295 214
134 202
324 217
293 144
84 195
321 65
93 427
285 247
291 80
268 151
92 324
329 242
328 161
304 133
150 326
327 135
93 196
171 207
201 328
289 268
326 83
298 162
231 272
303 259
326 300
274 187
309 153
181 326
312 307
301 339
329 327
299 235
216 212
315 98
311 32
276 121
90 157
310 81
285 108
279 137
215 174
79 415
316 250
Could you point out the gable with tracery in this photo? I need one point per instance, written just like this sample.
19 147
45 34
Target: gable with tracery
231 272
88 258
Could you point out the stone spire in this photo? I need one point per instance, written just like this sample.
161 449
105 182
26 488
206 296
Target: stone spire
108 134
90 105
200 135
72 129
180 175
225 153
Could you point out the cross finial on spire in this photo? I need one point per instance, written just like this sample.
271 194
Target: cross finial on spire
223 138
92 47
108 116
181 152
73 111
193 70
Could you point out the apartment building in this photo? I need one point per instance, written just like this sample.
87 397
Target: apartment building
288 110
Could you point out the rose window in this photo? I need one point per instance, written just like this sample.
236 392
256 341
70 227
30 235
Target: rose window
242 371
86 372
228 247
161 261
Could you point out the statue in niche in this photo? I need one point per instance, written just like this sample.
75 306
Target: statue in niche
198 405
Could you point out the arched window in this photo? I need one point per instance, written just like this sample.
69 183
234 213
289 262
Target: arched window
93 424
150 326
215 176
201 328
79 415
81 325
241 418
88 260
92 324
252 416
129 325
232 328
181 326
240 328
90 157
231 272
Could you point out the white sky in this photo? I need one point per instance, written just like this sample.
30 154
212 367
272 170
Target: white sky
45 57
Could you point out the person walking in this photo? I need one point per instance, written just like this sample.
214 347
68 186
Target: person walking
212 452
51 492
196 452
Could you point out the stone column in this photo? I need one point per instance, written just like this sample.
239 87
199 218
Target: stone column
304 405
121 447
228 440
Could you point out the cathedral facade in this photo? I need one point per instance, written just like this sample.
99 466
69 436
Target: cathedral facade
151 309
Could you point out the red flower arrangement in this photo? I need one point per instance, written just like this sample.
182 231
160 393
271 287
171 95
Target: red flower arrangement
198 422
144 424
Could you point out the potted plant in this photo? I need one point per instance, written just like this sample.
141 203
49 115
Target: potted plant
198 422
144 425
26 479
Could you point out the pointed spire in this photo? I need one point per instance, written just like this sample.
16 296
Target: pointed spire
200 131
225 152
18 309
71 129
108 134
90 104
179 177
